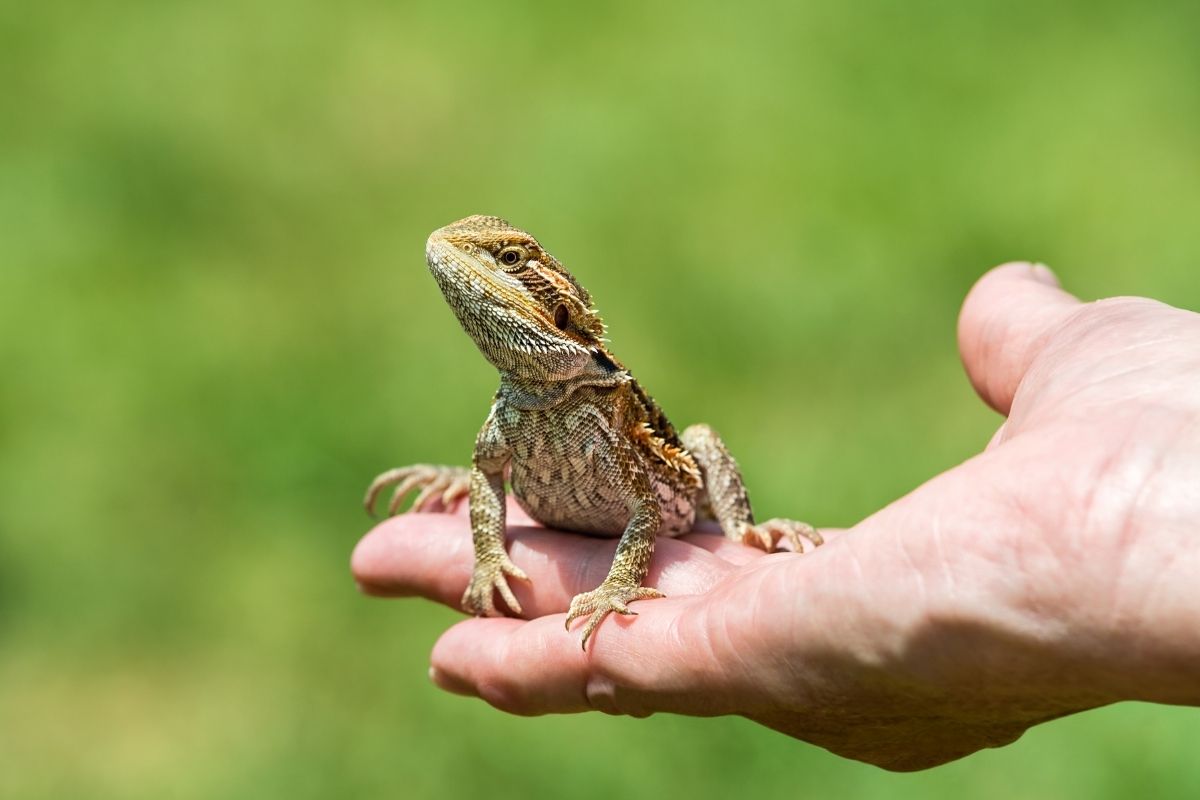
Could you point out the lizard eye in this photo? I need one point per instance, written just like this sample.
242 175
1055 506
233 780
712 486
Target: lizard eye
561 317
511 256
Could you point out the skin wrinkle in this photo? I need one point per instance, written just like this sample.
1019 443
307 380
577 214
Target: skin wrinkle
1146 643
699 572
996 556
697 645
677 642
999 437
498 689
1092 516
1090 328
1041 582
538 650
922 593
951 586
1123 527
614 691
592 566
1109 492
1037 346
1123 583
695 657
1080 398
796 618
618 691
896 542
721 639
887 640
862 593
859 572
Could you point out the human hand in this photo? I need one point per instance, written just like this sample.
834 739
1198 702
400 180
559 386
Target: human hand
1054 572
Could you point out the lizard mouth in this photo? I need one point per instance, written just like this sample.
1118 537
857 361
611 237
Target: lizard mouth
472 273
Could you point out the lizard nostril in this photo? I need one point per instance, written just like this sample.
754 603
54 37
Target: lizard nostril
561 317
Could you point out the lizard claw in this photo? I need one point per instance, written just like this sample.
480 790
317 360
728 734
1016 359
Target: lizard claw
446 483
489 577
600 602
767 535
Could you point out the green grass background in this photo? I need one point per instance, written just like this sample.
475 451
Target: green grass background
216 326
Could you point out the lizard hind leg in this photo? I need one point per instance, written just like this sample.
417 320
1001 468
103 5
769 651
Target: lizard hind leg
447 484
730 505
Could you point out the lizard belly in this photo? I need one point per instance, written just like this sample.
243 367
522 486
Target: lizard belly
559 497
570 479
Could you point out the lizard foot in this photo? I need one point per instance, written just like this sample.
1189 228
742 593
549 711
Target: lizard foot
446 483
605 599
488 576
767 535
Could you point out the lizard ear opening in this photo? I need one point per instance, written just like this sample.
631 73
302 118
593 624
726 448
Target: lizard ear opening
562 316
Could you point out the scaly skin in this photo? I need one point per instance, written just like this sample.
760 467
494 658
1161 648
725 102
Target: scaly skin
581 443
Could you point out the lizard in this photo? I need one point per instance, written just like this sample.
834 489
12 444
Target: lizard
583 446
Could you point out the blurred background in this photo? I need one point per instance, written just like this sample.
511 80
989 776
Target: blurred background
216 327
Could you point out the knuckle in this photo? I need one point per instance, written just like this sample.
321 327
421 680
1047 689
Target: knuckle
601 693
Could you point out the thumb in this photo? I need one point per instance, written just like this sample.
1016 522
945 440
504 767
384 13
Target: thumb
1005 322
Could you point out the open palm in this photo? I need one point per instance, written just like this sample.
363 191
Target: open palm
1051 573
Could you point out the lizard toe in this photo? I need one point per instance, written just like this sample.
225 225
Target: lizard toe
431 480
488 578
767 535
604 600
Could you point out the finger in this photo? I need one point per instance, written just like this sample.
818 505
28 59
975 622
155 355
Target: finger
697 654
431 555
633 665
1005 322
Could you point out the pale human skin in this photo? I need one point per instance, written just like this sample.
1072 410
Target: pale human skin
1056 571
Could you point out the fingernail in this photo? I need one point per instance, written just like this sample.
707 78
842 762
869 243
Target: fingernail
449 684
1043 274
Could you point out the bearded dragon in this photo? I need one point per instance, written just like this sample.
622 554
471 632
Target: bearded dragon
581 443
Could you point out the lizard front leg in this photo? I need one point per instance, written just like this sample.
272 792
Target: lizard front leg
492 567
728 499
631 561
624 582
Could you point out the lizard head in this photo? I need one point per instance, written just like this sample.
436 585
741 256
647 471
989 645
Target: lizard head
527 314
